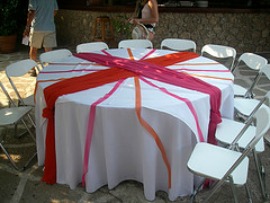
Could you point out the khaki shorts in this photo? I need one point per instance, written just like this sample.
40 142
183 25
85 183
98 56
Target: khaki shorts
42 39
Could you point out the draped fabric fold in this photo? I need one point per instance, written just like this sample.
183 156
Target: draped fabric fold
153 68
67 86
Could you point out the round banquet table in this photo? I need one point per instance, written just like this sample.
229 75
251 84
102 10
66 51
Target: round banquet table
121 148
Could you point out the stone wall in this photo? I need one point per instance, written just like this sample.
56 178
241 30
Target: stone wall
246 32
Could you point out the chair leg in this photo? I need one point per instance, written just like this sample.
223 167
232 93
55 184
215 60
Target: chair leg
29 130
29 161
248 193
261 175
233 189
7 154
31 120
12 161
195 192
216 186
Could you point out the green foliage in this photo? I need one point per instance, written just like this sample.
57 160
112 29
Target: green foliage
8 16
121 26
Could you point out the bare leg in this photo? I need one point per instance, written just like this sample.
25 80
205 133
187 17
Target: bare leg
33 53
33 56
47 49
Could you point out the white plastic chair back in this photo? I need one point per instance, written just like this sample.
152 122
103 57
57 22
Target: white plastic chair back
178 44
135 43
252 61
19 69
220 52
265 70
54 55
91 46
262 125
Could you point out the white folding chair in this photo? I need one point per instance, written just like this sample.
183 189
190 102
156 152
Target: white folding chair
244 106
54 56
231 131
226 165
91 46
12 116
135 43
176 44
223 54
253 62
16 70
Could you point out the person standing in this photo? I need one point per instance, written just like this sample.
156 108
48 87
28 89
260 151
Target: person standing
146 13
40 26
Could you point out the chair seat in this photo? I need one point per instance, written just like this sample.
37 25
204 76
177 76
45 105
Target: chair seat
213 162
239 90
228 129
29 101
245 106
12 115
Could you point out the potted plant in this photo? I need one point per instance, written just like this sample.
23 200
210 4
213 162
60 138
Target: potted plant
8 25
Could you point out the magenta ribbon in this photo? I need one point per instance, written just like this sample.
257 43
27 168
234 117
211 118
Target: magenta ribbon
90 128
188 103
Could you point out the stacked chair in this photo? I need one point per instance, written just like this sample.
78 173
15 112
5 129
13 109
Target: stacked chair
244 106
243 136
229 165
254 63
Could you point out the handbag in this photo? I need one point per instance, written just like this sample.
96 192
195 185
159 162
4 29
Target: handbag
140 32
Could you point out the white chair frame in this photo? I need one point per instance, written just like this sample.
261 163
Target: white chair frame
19 69
245 106
220 53
135 43
54 56
231 131
176 44
254 62
91 46
235 169
12 116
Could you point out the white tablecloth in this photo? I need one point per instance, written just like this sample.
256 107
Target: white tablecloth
121 148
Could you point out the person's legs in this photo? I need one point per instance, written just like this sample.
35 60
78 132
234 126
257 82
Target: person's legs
36 40
49 41
46 49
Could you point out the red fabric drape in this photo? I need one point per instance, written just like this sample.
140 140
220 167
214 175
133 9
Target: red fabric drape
67 86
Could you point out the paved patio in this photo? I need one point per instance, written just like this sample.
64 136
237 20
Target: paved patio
27 186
